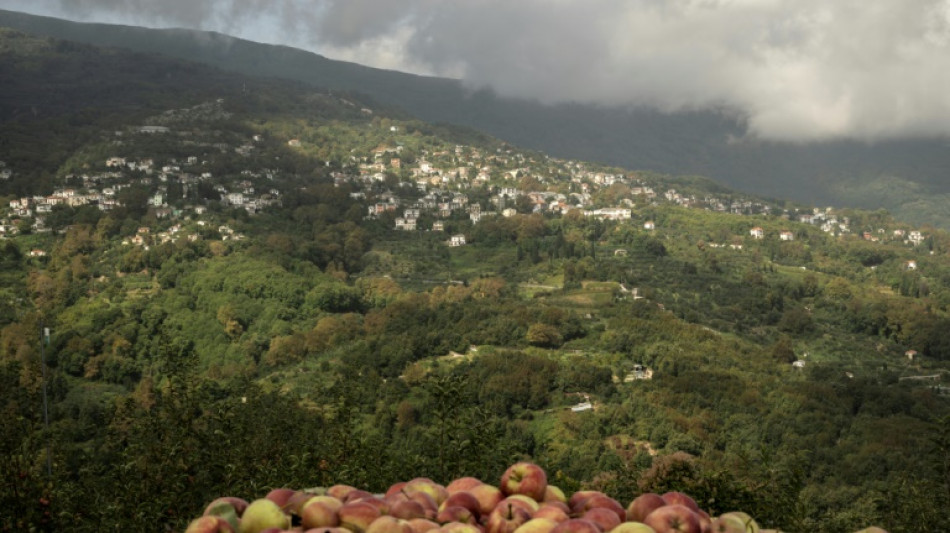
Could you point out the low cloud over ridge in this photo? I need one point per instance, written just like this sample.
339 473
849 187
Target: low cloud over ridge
797 69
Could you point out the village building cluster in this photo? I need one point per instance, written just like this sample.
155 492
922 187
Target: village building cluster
417 192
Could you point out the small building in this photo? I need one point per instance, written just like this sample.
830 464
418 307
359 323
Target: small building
649 225
438 226
457 240
799 364
910 265
910 354
786 236
757 233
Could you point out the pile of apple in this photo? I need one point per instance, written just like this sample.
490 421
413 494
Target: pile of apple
523 502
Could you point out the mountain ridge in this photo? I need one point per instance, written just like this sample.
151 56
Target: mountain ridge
695 142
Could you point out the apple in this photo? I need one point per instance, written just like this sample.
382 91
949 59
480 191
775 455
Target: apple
357 516
209 524
282 497
407 509
674 518
537 525
340 491
506 518
872 529
262 514
327 530
224 510
488 497
463 483
735 522
426 485
394 489
524 478
456 513
357 495
576 525
602 501
674 498
458 527
526 502
316 513
376 502
633 527
239 504
463 499
389 524
577 499
643 505
553 493
605 518
552 512
421 525
329 501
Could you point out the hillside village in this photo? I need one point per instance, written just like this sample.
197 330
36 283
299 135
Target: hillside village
418 193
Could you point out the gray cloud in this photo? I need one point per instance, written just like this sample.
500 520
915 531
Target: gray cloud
799 69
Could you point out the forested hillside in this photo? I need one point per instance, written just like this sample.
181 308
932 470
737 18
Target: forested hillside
251 284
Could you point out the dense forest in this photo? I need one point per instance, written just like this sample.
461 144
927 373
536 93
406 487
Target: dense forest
216 284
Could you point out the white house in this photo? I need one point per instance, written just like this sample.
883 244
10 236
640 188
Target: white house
457 240
757 233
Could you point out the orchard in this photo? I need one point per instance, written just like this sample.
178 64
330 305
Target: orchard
522 502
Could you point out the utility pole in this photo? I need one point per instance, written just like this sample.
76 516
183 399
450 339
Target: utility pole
44 340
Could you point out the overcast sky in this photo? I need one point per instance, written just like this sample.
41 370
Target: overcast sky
800 69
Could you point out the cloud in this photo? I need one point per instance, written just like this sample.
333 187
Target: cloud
796 69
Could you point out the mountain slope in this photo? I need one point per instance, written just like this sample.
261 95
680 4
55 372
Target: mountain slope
683 143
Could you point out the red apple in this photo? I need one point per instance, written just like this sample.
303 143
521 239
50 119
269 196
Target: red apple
282 497
506 518
605 502
643 505
421 525
340 491
674 518
209 524
463 499
524 478
462 483
552 512
456 514
678 498
577 499
316 513
605 518
357 516
576 525
389 524
395 488
408 509
357 495
458 527
488 497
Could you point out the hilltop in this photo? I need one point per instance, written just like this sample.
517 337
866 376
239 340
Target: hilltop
251 283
